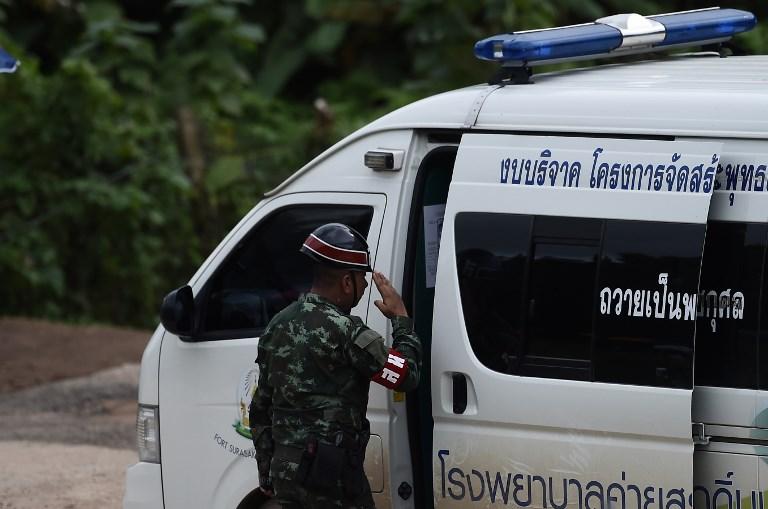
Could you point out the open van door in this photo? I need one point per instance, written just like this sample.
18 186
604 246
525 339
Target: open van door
565 313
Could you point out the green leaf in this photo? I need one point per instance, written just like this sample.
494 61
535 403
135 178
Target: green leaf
223 173
250 32
326 38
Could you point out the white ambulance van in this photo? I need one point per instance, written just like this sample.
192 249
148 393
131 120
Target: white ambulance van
584 256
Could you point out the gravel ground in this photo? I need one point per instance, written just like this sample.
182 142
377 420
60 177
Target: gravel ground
66 445
39 475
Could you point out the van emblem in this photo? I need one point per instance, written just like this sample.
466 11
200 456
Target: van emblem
245 391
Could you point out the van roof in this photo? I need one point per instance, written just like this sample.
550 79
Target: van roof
693 95
698 95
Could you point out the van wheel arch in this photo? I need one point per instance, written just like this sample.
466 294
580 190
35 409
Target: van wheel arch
257 500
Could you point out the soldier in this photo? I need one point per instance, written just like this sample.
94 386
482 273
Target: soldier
316 363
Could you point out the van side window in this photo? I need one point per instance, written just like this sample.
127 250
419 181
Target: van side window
531 296
730 296
564 254
660 264
265 272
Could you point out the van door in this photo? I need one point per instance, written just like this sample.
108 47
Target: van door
206 384
565 312
730 398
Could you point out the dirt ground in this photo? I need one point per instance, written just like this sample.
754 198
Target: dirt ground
67 413
34 352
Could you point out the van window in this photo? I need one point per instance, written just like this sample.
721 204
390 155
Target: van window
564 254
266 272
531 296
730 296
660 264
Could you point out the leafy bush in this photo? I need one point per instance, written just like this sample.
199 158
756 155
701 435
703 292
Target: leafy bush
136 134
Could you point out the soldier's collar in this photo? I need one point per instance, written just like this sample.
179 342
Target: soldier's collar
317 299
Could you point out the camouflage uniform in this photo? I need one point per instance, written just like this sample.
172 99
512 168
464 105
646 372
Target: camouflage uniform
316 364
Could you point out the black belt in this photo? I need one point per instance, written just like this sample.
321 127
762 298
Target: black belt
324 414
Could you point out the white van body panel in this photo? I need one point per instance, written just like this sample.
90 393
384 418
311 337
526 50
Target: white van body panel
450 110
143 487
702 96
149 373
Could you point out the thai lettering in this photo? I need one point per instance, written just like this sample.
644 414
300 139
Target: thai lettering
616 493
697 176
519 486
725 496
552 498
643 303
682 178
527 489
741 176
709 174
677 173
723 304
660 296
760 178
670 177
594 491
530 172
723 492
499 489
476 495
540 172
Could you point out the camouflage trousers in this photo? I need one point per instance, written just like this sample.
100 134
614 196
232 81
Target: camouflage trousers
290 495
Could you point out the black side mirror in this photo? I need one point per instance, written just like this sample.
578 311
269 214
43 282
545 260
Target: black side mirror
178 311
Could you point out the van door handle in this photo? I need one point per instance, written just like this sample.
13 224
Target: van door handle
699 434
459 393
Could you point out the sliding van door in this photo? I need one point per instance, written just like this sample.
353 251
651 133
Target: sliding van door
565 313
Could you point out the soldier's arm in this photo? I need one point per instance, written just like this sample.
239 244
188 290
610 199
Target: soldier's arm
260 417
396 368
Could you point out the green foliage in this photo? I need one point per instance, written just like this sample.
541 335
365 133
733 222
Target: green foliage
136 134
80 217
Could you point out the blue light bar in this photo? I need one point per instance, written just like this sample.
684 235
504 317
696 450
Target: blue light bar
565 42
621 34
691 27
8 64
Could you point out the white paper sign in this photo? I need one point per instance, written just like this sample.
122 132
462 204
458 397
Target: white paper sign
433 230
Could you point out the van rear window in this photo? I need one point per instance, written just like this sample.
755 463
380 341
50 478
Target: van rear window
729 325
580 299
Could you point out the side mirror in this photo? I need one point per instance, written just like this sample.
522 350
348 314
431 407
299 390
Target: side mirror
178 311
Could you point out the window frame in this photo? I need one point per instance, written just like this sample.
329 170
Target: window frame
201 282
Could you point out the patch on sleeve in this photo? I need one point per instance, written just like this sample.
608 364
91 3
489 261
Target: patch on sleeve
394 372
365 338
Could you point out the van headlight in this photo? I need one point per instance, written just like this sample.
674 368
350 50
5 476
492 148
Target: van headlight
148 433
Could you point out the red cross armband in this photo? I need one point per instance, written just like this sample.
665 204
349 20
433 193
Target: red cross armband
394 372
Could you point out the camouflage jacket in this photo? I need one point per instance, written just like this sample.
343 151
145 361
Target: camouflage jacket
315 367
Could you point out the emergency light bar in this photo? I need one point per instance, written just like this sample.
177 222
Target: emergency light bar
8 64
614 35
